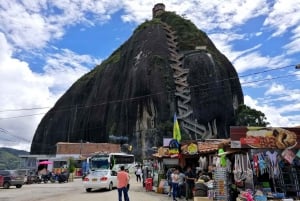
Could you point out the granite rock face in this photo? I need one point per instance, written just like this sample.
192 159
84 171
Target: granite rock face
167 66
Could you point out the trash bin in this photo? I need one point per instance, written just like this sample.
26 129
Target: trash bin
148 184
1 181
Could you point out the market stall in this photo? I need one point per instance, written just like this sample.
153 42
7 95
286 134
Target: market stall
269 168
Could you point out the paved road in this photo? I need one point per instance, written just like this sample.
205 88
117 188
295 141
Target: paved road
74 191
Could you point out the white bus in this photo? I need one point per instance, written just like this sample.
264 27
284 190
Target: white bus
111 161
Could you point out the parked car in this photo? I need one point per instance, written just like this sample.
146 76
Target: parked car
30 175
98 179
12 178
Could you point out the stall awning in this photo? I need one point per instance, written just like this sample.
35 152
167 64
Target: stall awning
212 145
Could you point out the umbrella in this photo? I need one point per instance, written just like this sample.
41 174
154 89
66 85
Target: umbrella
45 162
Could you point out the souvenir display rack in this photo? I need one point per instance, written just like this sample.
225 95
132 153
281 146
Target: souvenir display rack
221 185
290 180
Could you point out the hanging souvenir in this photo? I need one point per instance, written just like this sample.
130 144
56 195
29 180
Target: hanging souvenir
298 153
255 164
288 155
239 171
273 163
249 175
203 163
263 168
222 158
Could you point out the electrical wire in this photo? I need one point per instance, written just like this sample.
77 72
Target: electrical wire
250 74
23 109
5 132
231 90
68 108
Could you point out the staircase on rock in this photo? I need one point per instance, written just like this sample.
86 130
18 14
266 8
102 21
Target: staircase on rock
183 92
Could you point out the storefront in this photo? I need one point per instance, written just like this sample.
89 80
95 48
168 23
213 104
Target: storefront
268 165
254 164
200 156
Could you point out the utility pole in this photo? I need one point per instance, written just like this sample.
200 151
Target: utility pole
80 147
73 116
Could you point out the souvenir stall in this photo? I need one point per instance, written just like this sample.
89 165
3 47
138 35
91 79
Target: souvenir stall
268 168
200 156
167 156
190 154
223 173
213 170
208 153
276 172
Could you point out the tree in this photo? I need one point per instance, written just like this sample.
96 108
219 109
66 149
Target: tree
71 166
246 116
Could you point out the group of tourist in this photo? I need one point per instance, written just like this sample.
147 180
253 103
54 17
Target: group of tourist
181 183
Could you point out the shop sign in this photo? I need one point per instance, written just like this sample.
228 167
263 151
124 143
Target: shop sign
192 149
174 147
170 161
265 137
245 140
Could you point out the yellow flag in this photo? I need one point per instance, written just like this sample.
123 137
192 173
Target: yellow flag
176 130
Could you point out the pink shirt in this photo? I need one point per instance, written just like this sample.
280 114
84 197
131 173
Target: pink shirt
123 179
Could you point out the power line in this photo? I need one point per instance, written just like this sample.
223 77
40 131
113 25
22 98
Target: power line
118 101
153 94
264 71
83 130
23 109
68 108
2 130
250 74
28 115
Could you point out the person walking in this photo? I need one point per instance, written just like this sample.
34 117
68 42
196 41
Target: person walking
138 174
123 181
128 185
169 179
190 183
181 184
175 180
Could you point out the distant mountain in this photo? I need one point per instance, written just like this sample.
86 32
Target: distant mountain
9 158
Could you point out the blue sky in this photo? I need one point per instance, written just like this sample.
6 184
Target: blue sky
46 45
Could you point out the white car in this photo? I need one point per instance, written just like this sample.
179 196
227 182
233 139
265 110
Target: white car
98 179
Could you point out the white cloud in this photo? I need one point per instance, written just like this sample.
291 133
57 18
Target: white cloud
223 41
283 16
273 114
255 60
20 88
32 24
23 88
224 14
66 62
293 46
26 29
275 89
254 81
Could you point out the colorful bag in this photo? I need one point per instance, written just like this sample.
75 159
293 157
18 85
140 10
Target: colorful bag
298 153
239 173
263 168
249 175
288 155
